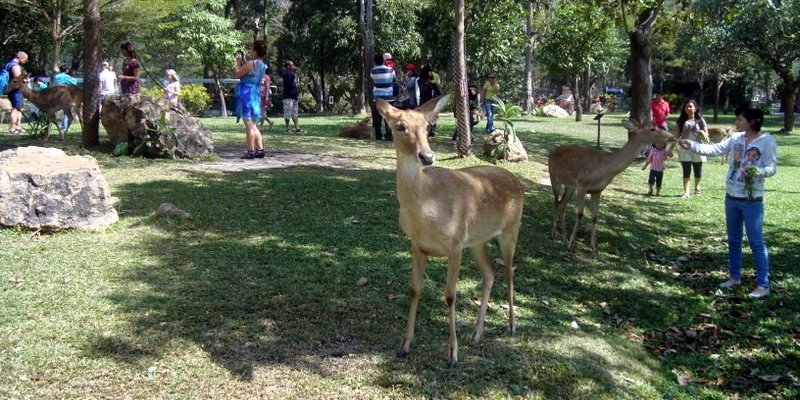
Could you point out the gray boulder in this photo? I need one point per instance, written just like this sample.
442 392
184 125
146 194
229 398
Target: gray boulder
137 119
497 139
44 189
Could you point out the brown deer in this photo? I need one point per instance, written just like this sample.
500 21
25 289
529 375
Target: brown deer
716 135
444 211
5 108
362 130
68 99
589 170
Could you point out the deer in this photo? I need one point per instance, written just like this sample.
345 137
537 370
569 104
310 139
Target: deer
588 170
51 100
5 108
443 211
716 135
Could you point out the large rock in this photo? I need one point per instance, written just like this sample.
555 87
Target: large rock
552 110
136 119
43 188
497 139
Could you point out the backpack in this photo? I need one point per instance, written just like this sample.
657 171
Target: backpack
3 80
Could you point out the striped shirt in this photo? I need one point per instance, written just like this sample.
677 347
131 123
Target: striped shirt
382 80
657 158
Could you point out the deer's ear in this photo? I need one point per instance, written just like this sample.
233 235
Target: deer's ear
629 125
385 109
432 107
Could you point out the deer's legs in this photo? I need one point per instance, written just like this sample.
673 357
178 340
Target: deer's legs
481 254
453 269
508 243
568 191
579 212
418 259
556 197
593 206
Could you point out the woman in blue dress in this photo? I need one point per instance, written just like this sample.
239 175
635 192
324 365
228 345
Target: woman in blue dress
248 97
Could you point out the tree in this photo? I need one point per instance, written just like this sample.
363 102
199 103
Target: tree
61 18
91 81
639 33
460 82
206 36
578 36
769 30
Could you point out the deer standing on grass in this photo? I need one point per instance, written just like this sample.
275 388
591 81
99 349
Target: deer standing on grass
589 170
444 211
51 100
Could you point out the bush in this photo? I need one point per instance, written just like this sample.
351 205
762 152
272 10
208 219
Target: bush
195 99
154 91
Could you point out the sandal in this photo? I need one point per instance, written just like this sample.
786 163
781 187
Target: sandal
299 131
249 155
698 191
260 153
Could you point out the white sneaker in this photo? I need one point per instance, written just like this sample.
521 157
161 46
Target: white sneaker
759 292
730 283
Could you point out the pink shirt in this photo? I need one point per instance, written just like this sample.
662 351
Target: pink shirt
657 158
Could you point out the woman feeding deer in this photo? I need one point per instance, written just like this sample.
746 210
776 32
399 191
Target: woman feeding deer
753 159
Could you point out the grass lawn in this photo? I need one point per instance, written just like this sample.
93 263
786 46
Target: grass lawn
255 296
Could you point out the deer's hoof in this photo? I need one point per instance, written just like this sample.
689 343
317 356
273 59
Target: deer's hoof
402 353
452 363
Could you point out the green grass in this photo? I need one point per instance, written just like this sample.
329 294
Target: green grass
255 296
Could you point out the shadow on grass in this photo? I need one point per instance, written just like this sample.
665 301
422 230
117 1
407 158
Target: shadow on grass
265 274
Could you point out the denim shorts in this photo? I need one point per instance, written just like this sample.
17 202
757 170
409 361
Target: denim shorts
15 97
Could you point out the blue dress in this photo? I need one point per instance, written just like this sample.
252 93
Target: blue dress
248 93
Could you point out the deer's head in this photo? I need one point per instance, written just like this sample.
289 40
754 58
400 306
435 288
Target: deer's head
410 128
17 82
647 133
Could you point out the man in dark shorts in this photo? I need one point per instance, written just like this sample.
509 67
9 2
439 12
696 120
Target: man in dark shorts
14 68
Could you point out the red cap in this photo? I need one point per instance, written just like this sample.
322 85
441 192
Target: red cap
410 67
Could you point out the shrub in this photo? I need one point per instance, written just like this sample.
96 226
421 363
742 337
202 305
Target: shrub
154 91
195 99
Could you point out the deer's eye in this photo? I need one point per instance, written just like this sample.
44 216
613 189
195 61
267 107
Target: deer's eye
401 127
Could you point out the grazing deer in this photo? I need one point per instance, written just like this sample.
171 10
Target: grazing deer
68 99
444 211
588 170
5 108
716 135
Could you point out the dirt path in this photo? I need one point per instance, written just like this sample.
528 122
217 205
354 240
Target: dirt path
231 161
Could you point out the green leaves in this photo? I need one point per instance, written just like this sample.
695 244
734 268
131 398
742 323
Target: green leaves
120 149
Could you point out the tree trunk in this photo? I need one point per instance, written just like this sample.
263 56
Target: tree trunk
458 48
717 91
576 100
57 41
223 109
641 79
587 87
790 86
528 84
369 49
701 80
91 80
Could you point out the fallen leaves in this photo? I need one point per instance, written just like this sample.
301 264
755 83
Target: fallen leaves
362 281
17 279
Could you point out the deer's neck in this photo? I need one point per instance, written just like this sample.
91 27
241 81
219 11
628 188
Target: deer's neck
411 180
621 159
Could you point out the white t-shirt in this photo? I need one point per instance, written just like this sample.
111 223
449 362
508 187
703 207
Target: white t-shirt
108 82
172 86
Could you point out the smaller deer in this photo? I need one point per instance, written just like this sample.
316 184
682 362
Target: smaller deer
444 211
50 101
589 170
716 135
5 108
362 130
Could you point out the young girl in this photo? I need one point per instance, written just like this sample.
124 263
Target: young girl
744 204
172 86
691 126
266 99
656 159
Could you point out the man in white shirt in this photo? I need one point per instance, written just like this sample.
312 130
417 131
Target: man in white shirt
108 83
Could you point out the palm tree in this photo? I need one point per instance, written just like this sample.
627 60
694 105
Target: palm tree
460 83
